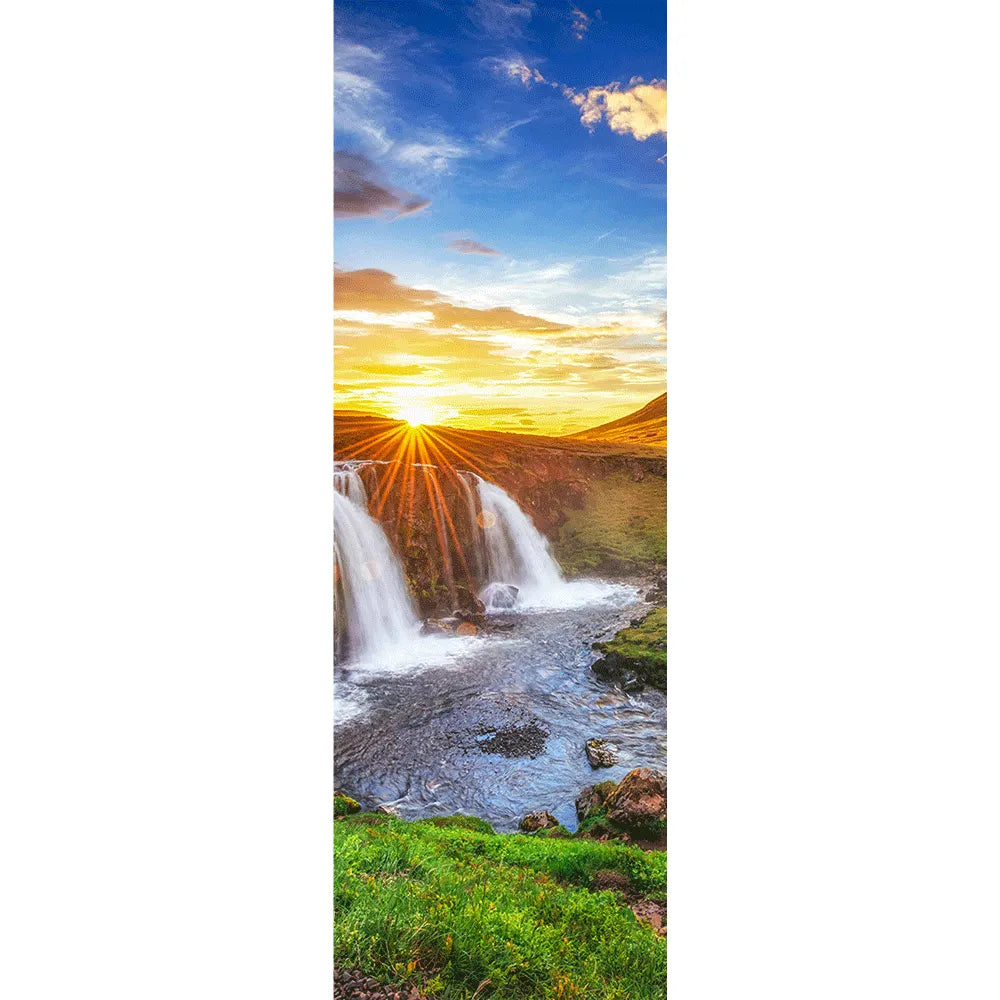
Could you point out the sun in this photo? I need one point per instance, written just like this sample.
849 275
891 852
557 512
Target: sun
416 415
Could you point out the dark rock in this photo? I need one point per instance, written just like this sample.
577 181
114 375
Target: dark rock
601 753
609 667
466 602
540 820
514 741
632 683
499 596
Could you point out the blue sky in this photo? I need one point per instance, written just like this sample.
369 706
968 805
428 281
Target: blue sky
502 154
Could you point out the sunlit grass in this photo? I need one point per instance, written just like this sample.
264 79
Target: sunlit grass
452 907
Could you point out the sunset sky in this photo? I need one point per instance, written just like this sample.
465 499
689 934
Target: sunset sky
500 211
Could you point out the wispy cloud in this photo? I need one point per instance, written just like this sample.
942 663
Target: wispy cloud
581 24
496 138
514 67
358 191
473 246
357 102
435 155
501 18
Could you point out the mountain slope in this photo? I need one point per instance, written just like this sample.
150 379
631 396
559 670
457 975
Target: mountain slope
647 426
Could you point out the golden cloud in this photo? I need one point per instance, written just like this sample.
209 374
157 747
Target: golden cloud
640 110
637 108
371 290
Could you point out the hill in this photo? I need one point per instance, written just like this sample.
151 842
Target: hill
644 428
601 503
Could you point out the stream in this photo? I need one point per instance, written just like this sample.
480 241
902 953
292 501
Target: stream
494 725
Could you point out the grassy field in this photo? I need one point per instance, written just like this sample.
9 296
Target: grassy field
462 912
621 527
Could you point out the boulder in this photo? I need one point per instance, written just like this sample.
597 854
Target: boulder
540 820
632 683
591 799
436 626
466 628
466 602
499 596
601 753
609 667
387 809
640 800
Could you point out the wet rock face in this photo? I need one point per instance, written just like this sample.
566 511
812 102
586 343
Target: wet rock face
601 753
467 604
640 800
540 820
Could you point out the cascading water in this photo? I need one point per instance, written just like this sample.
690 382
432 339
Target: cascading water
377 612
516 553
347 482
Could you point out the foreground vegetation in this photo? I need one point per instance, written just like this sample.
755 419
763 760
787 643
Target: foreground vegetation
450 906
620 528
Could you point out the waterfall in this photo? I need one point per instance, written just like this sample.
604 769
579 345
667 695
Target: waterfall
478 550
376 608
516 553
347 482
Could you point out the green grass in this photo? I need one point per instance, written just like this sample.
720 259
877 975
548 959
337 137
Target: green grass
643 647
621 528
463 912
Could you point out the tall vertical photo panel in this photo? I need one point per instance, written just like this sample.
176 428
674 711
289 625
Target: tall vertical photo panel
499 506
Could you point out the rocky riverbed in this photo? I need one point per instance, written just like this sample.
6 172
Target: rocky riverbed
495 726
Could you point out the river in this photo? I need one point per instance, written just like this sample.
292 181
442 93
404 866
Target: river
494 726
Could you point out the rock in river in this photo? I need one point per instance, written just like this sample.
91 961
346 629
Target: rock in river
499 596
601 753
540 820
